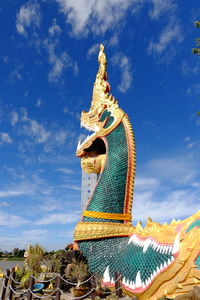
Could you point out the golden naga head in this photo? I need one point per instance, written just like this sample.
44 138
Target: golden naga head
178 240
104 114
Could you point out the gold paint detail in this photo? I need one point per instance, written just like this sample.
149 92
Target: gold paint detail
108 216
93 163
128 201
94 230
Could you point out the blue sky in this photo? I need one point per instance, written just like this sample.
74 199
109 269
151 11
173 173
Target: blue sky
48 61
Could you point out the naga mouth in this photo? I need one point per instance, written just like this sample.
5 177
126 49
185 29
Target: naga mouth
148 268
90 143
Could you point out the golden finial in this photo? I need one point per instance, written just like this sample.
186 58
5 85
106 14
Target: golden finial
101 86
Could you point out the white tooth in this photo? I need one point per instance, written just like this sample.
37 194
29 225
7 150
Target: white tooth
146 245
172 259
170 250
79 143
151 277
112 280
138 281
176 244
166 249
154 273
132 239
148 280
127 283
124 280
157 270
164 264
143 285
132 285
106 275
155 245
168 262
159 248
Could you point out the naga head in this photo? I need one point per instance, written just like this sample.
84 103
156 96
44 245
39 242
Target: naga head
168 257
103 116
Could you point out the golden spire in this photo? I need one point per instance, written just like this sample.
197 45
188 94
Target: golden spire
101 86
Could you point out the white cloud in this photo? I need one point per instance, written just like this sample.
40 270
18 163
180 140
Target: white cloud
14 77
11 220
178 204
61 136
95 16
34 232
5 138
59 218
170 35
36 130
13 193
180 170
160 7
54 29
72 187
170 188
93 50
123 62
4 204
14 117
39 103
65 170
28 15
187 139
58 62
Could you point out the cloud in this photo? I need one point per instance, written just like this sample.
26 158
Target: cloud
39 103
5 138
170 188
58 62
11 220
171 34
14 77
189 68
72 187
34 232
93 16
35 130
28 15
123 62
93 50
13 193
194 90
14 117
179 170
160 8
177 204
54 29
65 170
4 204
59 218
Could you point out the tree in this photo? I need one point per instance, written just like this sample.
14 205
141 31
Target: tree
34 258
196 50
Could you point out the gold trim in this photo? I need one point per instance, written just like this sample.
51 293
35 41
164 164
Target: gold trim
109 216
94 230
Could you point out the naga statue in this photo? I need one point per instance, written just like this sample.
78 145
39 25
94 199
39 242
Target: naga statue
154 261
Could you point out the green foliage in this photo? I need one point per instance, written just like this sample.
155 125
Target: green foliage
79 272
196 50
18 252
34 259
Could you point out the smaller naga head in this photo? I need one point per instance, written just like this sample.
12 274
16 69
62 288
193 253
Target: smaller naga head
103 116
